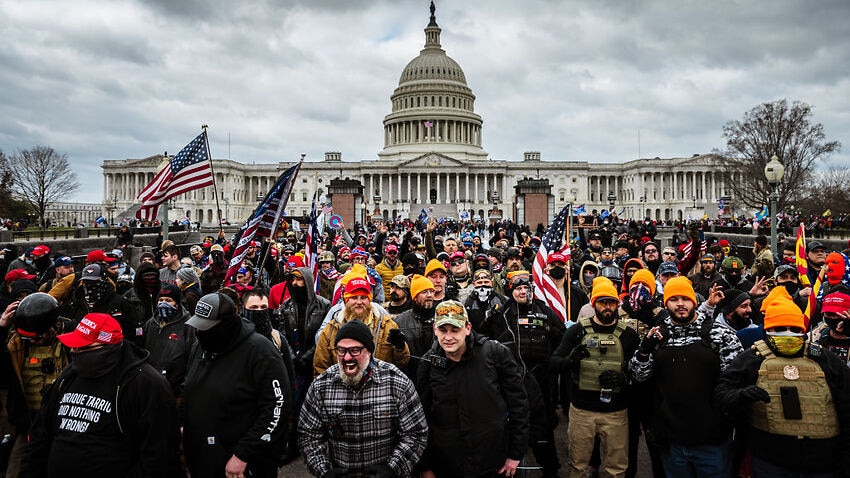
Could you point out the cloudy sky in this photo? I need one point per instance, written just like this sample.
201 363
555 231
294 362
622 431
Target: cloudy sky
574 80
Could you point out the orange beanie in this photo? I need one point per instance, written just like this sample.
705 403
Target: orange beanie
603 288
679 286
781 311
645 277
418 284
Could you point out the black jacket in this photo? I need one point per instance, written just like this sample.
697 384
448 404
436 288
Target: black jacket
235 402
506 330
418 330
290 321
144 303
132 324
146 416
477 409
169 344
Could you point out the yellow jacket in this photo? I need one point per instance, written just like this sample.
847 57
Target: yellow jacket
325 355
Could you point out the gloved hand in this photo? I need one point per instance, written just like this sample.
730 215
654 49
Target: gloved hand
380 471
612 379
693 230
649 344
302 366
336 473
578 353
754 393
397 339
557 364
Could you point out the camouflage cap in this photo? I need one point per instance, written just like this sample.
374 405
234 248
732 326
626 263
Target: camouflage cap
450 312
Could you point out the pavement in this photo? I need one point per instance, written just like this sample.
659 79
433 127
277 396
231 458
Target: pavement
298 469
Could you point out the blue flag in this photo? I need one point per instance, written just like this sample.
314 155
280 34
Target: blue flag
762 214
579 210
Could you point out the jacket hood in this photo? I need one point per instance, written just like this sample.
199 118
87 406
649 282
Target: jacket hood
634 261
309 282
138 284
584 266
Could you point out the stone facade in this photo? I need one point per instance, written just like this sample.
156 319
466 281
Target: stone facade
433 158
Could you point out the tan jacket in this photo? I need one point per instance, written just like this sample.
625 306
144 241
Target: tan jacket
325 355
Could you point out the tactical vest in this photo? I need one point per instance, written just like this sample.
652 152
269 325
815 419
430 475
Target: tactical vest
818 418
40 369
533 331
606 353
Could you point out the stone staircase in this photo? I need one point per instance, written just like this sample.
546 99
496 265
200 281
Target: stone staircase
434 210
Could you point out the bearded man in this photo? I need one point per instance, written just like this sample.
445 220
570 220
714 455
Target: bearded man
390 344
359 389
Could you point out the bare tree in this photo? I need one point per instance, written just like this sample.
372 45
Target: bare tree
774 128
828 191
41 176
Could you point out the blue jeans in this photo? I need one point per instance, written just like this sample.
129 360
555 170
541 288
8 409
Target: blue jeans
701 461
765 469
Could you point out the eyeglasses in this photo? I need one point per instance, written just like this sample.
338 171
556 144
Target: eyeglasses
354 351
650 251
667 253
457 263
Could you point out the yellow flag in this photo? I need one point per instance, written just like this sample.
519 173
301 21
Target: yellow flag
827 213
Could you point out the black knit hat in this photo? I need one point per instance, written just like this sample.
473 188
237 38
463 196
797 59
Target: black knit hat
732 299
356 330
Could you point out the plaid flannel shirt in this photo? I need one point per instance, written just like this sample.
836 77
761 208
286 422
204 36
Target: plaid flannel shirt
383 423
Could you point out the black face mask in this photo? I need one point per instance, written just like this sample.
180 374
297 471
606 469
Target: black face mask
96 290
732 279
98 362
261 319
834 323
791 287
221 335
299 294
558 272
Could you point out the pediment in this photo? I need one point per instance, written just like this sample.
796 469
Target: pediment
433 160
150 161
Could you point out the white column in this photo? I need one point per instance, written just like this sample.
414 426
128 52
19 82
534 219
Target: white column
466 195
428 186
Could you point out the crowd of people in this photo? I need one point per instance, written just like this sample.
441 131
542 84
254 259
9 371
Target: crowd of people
421 349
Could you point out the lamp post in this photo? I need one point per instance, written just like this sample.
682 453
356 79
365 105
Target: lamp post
773 171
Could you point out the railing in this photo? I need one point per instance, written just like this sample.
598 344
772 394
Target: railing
66 233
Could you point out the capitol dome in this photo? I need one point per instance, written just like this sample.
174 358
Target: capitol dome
432 107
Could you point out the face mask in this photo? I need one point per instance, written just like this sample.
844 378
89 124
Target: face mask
96 363
732 278
217 338
28 261
261 318
791 287
788 344
166 311
299 294
834 323
588 279
558 272
483 293
95 290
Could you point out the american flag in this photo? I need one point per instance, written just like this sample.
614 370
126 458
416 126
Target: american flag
327 209
261 223
190 169
428 124
552 242
311 249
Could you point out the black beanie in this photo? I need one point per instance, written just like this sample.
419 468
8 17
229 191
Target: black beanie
172 291
410 259
732 299
356 330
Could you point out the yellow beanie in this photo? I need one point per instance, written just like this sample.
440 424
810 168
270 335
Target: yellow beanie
603 288
356 270
645 277
432 266
418 284
781 311
679 286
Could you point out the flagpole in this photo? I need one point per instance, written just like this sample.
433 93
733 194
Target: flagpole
212 172
273 232
569 292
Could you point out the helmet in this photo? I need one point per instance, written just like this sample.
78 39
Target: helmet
612 272
36 314
326 256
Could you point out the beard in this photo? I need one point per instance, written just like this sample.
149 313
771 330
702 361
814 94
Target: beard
350 313
606 317
351 380
684 320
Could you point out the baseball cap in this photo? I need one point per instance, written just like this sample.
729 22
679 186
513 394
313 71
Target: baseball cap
814 245
92 272
732 263
783 269
216 247
16 274
391 248
556 257
401 281
667 268
450 312
836 302
94 328
212 309
62 261
40 250
98 255
457 255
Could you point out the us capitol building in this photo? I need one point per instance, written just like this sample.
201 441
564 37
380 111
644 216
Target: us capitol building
433 158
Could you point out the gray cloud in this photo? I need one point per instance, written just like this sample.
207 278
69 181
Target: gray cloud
574 80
